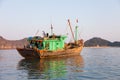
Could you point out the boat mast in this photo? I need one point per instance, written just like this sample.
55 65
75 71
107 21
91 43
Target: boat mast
76 32
71 29
51 29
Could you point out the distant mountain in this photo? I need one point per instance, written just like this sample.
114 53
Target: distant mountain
93 42
11 44
100 42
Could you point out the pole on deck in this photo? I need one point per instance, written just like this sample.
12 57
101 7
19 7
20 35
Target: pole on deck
76 32
51 29
71 29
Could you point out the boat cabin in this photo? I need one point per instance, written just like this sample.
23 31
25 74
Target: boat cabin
51 43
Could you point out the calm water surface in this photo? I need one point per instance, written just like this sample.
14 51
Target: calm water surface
92 64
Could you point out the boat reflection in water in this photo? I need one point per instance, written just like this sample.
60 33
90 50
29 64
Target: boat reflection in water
57 68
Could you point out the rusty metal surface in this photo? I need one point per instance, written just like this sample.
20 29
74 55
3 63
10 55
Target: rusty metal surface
31 53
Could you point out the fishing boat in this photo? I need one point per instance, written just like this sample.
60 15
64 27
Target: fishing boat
52 46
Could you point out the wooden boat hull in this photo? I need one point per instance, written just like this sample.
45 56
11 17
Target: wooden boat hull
28 53
34 53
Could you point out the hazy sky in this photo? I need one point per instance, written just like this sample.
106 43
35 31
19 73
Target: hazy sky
97 18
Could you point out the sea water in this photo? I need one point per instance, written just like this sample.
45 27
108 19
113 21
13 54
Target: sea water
91 64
